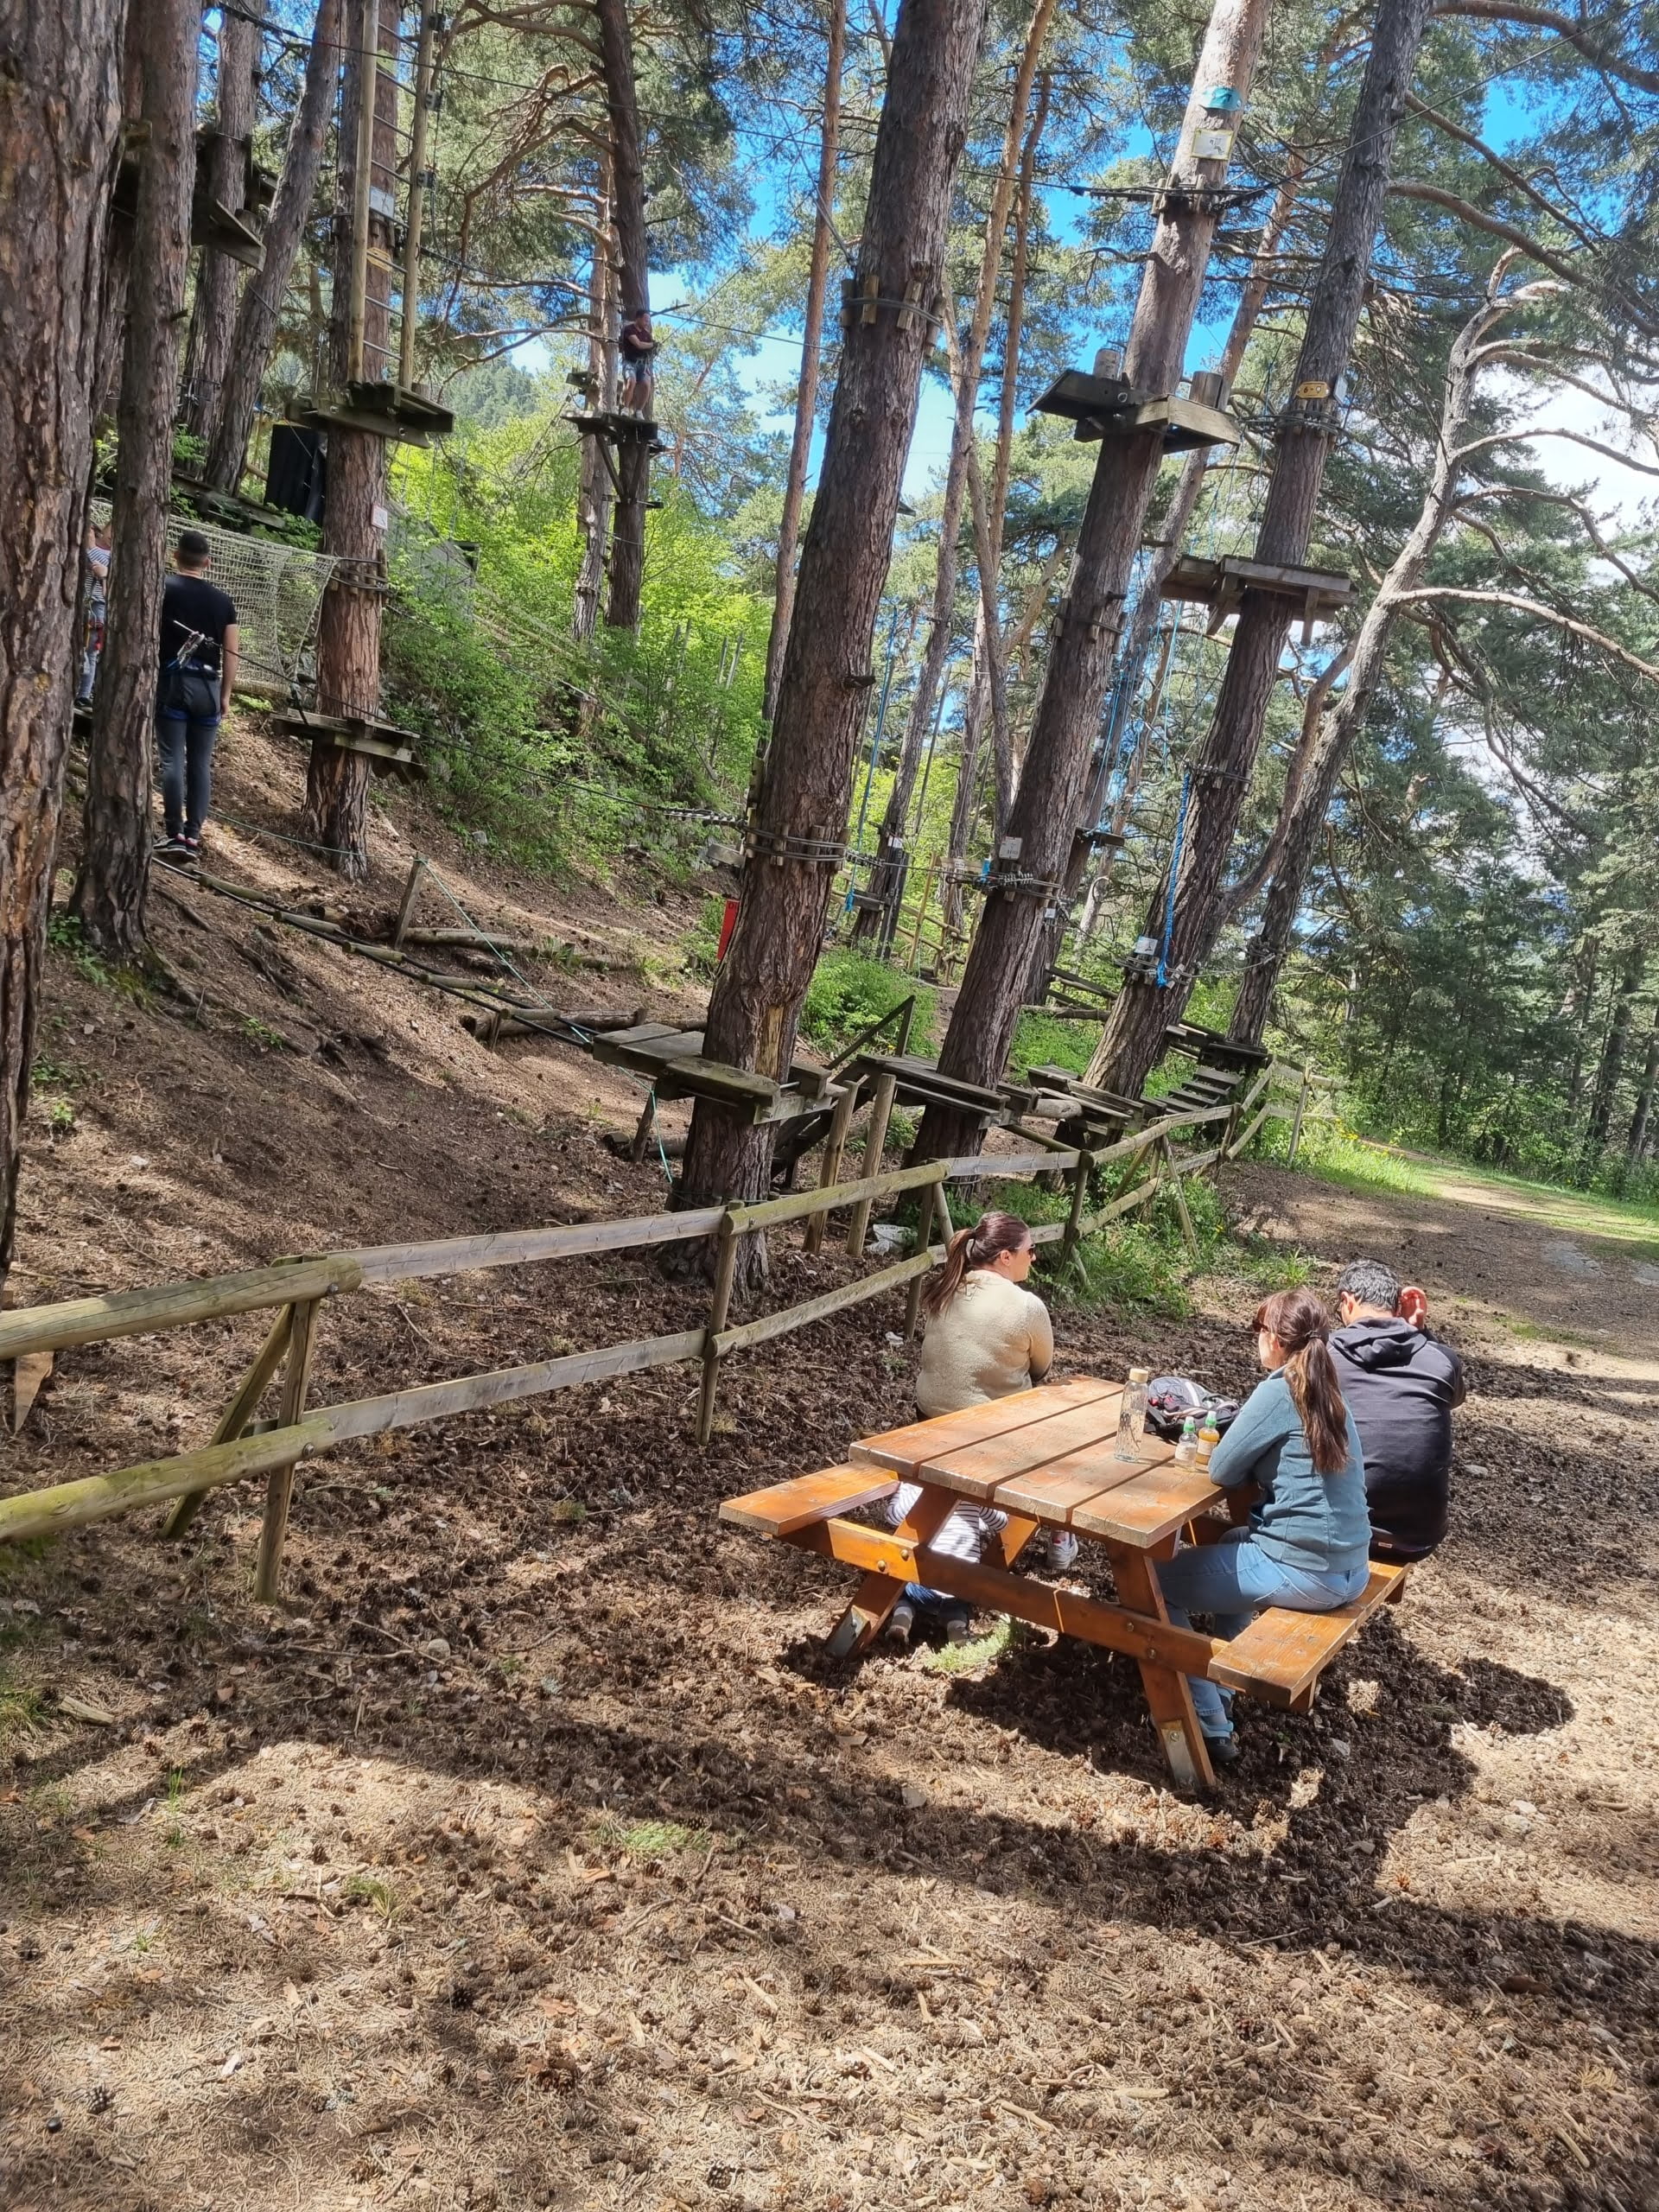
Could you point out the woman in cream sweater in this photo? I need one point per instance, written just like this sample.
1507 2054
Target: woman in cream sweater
986 1337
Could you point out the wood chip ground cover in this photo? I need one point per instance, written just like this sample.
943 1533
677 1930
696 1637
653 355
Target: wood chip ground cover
533 1855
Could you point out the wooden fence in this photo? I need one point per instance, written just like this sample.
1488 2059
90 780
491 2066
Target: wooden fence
243 1446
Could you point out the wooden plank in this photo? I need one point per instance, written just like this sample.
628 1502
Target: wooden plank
1054 1494
831 1301
767 1213
834 1146
509 1248
28 1373
503 1386
175 1306
694 1077
875 1139
883 1552
906 1449
1282 1653
976 1470
720 1303
279 1484
1140 1513
152 1481
992 1166
233 1422
1168 1693
785 1507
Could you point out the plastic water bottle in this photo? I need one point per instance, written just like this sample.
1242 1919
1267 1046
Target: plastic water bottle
1132 1417
1187 1449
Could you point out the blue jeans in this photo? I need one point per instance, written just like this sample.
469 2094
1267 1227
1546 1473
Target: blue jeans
1233 1580
187 749
943 1606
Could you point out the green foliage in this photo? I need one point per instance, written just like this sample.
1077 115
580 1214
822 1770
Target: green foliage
847 992
1133 1270
1043 1040
64 932
648 1838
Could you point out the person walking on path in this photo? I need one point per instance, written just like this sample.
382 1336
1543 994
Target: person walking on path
1401 1384
1307 1543
200 645
986 1337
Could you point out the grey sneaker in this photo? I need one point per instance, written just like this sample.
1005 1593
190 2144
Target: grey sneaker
900 1621
958 1629
171 849
1223 1749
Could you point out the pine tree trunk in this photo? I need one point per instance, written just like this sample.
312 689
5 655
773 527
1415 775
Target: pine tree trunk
806 784
1133 1038
348 628
1313 784
59 138
634 297
1612 1065
1081 640
807 393
965 806
1635 1142
261 304
117 252
212 317
593 501
1143 616
109 891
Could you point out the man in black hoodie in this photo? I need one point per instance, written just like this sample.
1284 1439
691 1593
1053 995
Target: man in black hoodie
1401 1384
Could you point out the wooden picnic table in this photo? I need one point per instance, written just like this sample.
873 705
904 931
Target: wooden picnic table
1046 1459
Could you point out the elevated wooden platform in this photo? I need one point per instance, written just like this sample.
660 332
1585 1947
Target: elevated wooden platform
1222 584
617 425
1107 407
384 410
223 230
674 1060
382 743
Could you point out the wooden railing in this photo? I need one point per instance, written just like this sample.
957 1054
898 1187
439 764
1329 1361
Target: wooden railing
242 1447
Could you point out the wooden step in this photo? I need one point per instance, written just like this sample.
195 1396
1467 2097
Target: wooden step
785 1507
1282 1654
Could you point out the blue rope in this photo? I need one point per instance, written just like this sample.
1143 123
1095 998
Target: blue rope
1174 870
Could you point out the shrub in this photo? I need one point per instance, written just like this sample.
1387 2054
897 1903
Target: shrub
847 992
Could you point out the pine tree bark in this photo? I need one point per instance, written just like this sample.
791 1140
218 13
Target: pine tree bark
1143 615
260 307
1312 786
1612 1065
1636 1141
348 628
634 297
1081 640
113 880
806 784
594 498
213 315
806 392
118 252
1133 1038
59 124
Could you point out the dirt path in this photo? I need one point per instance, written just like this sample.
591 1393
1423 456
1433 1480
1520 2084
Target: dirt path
532 1856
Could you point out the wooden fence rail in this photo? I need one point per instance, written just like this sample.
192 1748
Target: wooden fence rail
241 1449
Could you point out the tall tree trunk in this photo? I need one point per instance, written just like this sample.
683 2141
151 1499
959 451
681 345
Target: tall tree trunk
261 305
800 813
965 806
1635 1142
60 123
1143 615
593 500
117 252
212 316
1134 1031
348 628
1081 640
634 297
967 362
108 900
806 394
1611 1067
1312 782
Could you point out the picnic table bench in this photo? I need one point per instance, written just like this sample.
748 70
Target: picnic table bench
1044 1458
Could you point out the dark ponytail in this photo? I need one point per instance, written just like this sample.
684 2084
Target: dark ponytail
991 1234
1300 1323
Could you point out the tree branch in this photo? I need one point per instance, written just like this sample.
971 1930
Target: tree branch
1546 613
1562 27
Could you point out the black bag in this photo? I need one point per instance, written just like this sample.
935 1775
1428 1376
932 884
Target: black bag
188 694
1170 1399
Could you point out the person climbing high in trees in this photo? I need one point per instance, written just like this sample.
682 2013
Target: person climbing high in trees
636 346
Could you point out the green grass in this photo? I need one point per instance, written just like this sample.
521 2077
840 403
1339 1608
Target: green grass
1042 1040
964 1658
847 992
648 1838
368 1889
21 1708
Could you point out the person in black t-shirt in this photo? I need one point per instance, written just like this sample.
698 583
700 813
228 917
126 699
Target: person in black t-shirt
635 344
200 645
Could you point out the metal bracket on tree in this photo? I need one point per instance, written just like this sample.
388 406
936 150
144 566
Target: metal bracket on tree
779 846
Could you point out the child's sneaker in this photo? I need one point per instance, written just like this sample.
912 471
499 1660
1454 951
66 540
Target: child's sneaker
170 847
959 1629
900 1621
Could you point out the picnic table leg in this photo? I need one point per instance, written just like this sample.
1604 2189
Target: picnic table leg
1168 1697
877 1594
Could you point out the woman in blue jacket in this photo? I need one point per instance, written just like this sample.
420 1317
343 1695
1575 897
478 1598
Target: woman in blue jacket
1309 1535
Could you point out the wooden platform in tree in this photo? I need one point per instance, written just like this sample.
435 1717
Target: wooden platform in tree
1210 1048
673 1059
617 426
1107 407
388 749
225 231
1220 585
384 410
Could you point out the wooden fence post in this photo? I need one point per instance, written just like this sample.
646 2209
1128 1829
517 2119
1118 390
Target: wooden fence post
417 870
279 1484
874 1143
932 1194
1079 1196
237 1415
1296 1125
834 1146
720 1304
1173 1166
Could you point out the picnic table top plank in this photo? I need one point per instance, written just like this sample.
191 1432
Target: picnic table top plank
977 1469
1156 1501
1055 1493
907 1449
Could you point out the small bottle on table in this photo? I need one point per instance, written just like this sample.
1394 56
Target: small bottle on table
1132 1416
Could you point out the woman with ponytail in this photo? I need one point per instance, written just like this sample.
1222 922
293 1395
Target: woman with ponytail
1308 1542
985 1337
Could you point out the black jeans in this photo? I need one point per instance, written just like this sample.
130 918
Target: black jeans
187 722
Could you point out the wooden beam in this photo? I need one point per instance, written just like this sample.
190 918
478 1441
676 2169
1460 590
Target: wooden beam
233 1422
719 1306
831 1301
767 1213
858 1228
95 1497
279 1484
512 1248
834 1146
175 1306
